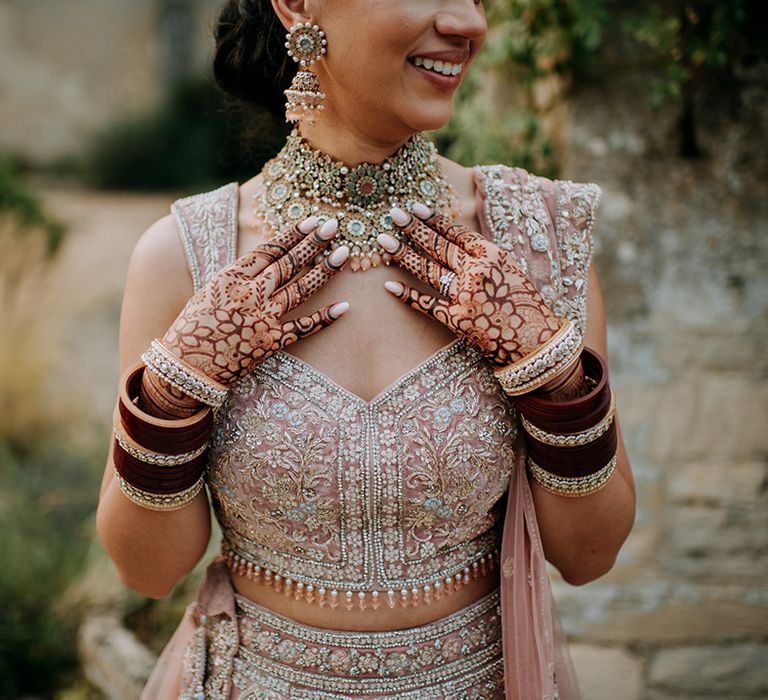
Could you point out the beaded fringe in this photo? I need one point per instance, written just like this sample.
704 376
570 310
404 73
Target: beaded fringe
361 600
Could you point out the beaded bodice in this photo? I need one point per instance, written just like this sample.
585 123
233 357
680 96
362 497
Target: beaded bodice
334 497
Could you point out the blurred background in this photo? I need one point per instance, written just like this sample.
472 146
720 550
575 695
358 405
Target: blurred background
108 113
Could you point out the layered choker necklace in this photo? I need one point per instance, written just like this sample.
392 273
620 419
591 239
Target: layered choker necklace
301 182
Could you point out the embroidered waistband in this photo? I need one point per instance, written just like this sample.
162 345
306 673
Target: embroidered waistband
461 651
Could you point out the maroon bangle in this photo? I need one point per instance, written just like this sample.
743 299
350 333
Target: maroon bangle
579 460
158 434
573 415
137 474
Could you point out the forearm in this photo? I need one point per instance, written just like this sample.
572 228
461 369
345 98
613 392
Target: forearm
152 550
582 536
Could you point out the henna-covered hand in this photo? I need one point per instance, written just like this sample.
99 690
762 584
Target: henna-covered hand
234 322
489 301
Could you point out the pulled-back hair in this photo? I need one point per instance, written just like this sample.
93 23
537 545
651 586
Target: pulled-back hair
251 62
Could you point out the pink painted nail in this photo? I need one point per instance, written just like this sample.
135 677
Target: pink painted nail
328 229
308 224
421 210
389 243
399 216
341 308
394 287
339 256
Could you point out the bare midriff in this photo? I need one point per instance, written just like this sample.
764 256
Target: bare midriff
383 619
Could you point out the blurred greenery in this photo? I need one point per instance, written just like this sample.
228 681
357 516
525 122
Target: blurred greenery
193 141
698 43
22 212
48 499
47 487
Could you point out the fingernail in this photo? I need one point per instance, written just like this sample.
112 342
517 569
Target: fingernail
421 210
389 243
399 216
328 229
394 287
339 309
339 256
308 224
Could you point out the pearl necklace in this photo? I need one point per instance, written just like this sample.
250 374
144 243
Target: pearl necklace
301 182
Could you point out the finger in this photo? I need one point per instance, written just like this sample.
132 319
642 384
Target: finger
435 245
288 265
456 233
425 269
264 254
307 325
290 296
439 309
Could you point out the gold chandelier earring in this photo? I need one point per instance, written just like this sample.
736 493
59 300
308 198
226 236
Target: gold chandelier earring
306 44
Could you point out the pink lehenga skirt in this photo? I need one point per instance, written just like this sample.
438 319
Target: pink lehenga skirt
508 644
244 651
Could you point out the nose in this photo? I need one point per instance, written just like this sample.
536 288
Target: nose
463 18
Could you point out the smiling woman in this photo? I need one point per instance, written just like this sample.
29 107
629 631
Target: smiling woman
390 489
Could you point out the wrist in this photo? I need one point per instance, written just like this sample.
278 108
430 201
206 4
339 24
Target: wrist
161 399
547 362
571 383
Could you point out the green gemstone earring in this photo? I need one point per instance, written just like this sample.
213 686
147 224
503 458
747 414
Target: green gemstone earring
306 44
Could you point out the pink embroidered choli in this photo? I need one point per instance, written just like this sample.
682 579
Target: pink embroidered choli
404 493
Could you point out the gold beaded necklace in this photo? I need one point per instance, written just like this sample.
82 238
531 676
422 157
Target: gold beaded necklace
301 182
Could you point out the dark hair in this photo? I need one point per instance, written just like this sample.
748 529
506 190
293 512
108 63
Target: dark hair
251 62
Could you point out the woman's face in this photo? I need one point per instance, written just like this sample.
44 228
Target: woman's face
386 63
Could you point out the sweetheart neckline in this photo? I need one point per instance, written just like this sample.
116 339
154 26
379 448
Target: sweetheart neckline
390 388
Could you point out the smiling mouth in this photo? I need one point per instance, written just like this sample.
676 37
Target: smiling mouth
437 67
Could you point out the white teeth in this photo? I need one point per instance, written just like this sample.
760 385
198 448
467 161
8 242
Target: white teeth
443 67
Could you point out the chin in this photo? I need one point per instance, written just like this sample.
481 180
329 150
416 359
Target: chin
430 120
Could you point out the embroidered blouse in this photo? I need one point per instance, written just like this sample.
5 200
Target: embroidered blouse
398 500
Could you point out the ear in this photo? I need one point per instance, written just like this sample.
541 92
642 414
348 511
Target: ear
292 12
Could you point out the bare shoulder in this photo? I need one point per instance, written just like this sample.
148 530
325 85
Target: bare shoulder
157 286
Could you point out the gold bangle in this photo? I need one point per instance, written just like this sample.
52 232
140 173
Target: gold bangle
574 486
557 355
572 439
157 501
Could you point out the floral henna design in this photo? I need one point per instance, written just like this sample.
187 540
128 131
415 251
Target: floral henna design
490 302
235 321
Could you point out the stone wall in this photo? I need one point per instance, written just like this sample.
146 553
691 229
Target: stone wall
69 68
683 257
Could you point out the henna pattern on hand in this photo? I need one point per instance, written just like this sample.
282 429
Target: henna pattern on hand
235 321
490 301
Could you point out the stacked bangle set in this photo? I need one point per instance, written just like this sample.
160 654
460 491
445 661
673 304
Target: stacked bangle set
571 444
159 463
575 440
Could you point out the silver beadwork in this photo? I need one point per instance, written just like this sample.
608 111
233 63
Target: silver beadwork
535 370
175 371
161 502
